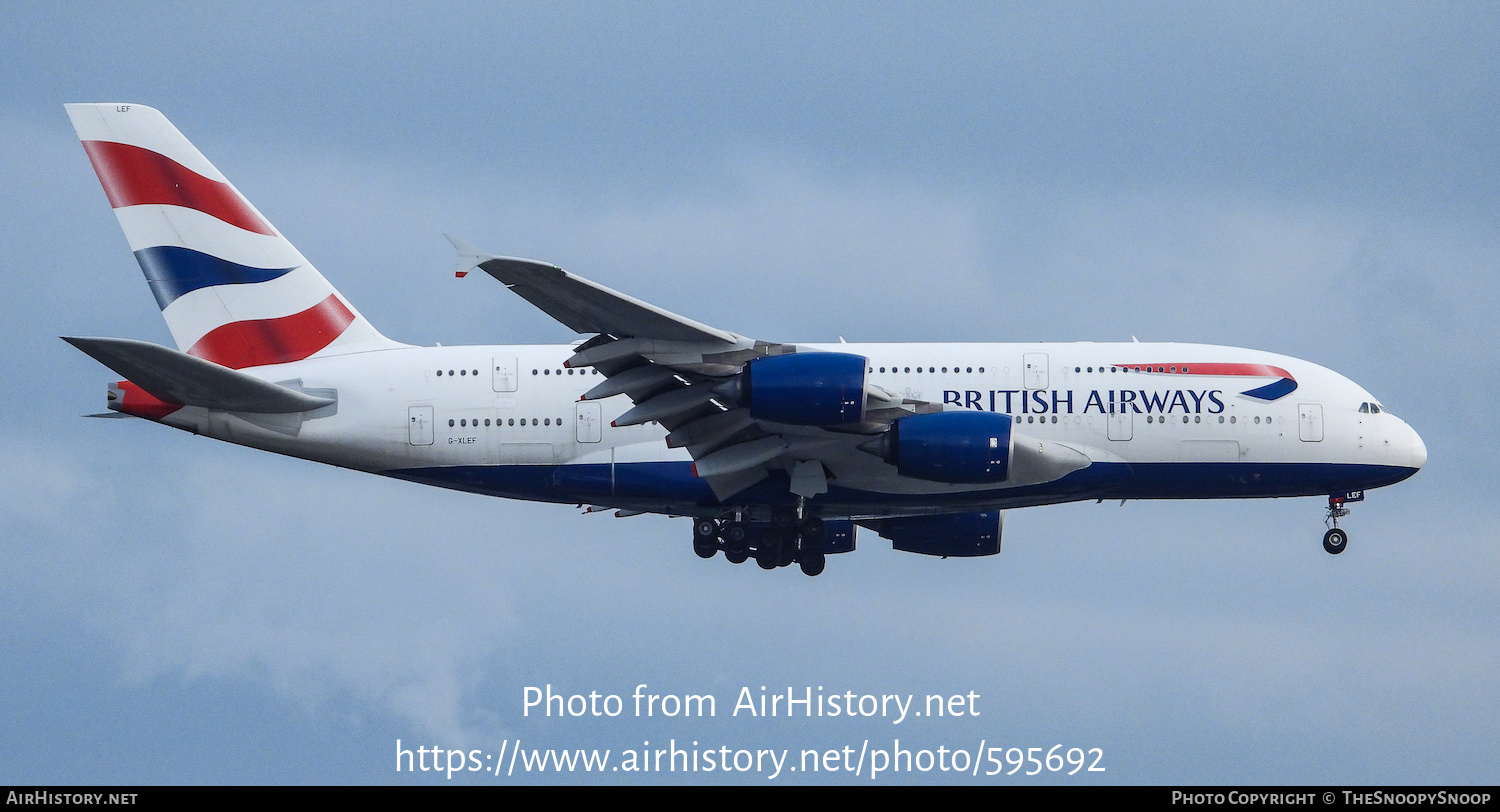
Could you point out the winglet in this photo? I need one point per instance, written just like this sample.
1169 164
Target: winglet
469 256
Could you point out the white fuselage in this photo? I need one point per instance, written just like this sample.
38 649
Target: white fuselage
478 408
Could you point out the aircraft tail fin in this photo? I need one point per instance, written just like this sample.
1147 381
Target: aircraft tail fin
232 289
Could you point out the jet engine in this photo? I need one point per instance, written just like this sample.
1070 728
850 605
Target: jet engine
957 534
803 389
964 447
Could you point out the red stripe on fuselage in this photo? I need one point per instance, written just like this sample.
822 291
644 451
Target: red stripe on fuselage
133 176
260 342
1252 370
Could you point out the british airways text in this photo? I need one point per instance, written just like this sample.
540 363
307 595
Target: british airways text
1103 401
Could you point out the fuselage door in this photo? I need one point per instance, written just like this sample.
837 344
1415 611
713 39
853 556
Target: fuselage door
419 425
590 421
1310 422
1121 426
1036 369
505 373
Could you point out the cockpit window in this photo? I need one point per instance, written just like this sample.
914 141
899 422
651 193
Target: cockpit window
1364 408
1374 408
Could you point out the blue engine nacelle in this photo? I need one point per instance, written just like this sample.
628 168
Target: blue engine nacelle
958 534
964 447
805 388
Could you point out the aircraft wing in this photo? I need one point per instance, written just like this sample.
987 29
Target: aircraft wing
684 375
583 305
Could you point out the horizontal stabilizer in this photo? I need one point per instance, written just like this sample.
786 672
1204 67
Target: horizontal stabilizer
177 377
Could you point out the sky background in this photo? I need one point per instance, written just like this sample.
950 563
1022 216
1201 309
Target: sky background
1320 180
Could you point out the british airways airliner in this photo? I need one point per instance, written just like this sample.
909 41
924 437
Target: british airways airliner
775 451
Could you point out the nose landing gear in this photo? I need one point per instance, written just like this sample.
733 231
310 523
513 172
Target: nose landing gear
1335 541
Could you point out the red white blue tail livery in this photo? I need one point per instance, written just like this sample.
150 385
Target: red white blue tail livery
232 289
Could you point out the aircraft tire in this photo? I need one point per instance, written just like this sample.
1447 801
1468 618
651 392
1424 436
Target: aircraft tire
737 533
705 547
788 549
812 563
1335 541
768 554
812 533
736 556
705 528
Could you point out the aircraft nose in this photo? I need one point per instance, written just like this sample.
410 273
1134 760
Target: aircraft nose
1418 453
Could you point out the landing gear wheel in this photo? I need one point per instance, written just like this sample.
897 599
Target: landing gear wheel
736 547
705 529
812 563
812 533
737 533
788 550
1335 541
705 547
768 554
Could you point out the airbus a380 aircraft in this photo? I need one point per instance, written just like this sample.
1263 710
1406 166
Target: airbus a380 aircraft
775 450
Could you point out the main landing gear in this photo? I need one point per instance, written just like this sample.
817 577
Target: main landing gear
1335 541
779 543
